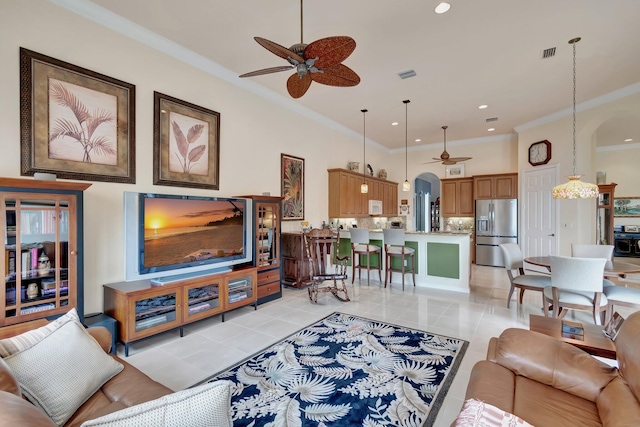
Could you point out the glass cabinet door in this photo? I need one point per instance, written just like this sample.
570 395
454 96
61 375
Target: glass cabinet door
202 300
154 311
240 289
38 261
267 243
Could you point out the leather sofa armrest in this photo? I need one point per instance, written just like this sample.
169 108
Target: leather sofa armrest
8 383
18 412
102 335
552 362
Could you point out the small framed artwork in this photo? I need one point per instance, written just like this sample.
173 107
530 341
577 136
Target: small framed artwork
186 144
454 171
75 123
626 207
292 187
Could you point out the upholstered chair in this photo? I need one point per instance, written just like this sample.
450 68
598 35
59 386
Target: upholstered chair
513 262
360 247
576 283
394 247
594 251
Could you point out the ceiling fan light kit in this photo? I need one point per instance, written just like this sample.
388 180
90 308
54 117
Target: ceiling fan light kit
319 61
575 189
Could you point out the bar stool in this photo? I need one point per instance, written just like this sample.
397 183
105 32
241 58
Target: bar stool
360 246
394 248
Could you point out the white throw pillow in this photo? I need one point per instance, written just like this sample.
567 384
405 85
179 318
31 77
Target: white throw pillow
58 366
208 405
476 413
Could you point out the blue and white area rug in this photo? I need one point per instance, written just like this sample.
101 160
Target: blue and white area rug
346 370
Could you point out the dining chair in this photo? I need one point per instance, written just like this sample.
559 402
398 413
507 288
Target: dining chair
394 248
621 295
576 283
326 264
513 261
581 250
360 247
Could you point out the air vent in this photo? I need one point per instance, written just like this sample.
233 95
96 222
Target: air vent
548 53
491 119
406 74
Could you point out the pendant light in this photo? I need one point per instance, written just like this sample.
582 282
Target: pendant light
406 185
575 189
364 188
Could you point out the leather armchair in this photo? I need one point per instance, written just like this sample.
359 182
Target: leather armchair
550 383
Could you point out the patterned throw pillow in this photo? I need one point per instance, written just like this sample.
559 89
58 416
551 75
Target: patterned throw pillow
207 405
58 366
476 413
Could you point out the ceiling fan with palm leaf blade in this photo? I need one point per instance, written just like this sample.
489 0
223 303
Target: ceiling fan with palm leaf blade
445 158
320 61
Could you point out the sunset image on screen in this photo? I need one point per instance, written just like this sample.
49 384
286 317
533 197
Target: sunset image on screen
183 230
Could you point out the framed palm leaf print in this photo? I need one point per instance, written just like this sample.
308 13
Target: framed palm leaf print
75 123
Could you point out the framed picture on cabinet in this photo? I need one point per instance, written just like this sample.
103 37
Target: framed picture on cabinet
454 171
75 123
186 144
626 207
292 187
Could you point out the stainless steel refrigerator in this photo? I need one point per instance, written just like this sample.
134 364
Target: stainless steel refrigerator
496 222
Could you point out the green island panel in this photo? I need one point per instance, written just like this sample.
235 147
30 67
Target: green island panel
443 260
344 248
396 263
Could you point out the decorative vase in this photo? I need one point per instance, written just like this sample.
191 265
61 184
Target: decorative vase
382 174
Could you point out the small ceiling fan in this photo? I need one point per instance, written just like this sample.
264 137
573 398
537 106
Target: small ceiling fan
445 158
320 61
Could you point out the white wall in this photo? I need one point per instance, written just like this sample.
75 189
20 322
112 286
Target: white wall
621 167
254 132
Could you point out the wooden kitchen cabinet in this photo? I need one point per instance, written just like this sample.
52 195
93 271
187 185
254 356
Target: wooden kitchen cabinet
456 197
499 186
346 200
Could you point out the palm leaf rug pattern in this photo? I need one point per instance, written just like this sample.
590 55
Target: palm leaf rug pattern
345 370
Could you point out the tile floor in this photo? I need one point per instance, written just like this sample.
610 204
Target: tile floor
210 345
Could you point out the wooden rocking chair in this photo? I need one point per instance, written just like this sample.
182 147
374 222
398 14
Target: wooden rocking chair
320 245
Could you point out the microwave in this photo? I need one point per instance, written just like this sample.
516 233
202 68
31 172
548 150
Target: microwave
375 207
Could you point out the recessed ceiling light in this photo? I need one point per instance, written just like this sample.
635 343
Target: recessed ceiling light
442 8
491 129
483 106
394 124
418 140
628 140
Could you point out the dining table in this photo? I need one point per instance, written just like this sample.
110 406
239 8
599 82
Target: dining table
613 268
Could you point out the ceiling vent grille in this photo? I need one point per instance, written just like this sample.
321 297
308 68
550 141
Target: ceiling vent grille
549 53
491 119
406 74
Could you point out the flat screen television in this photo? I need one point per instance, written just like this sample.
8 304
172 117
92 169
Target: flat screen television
169 236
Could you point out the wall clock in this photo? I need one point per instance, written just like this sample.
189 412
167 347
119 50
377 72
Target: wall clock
540 153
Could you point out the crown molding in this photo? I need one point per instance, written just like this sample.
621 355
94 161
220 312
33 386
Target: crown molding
618 147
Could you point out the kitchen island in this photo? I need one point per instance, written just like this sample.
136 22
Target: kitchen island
443 258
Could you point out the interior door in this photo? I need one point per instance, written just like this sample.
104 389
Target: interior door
539 212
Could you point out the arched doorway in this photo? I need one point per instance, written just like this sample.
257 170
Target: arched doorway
427 191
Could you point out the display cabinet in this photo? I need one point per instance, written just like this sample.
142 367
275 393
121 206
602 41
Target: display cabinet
296 271
267 246
42 260
604 214
143 309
